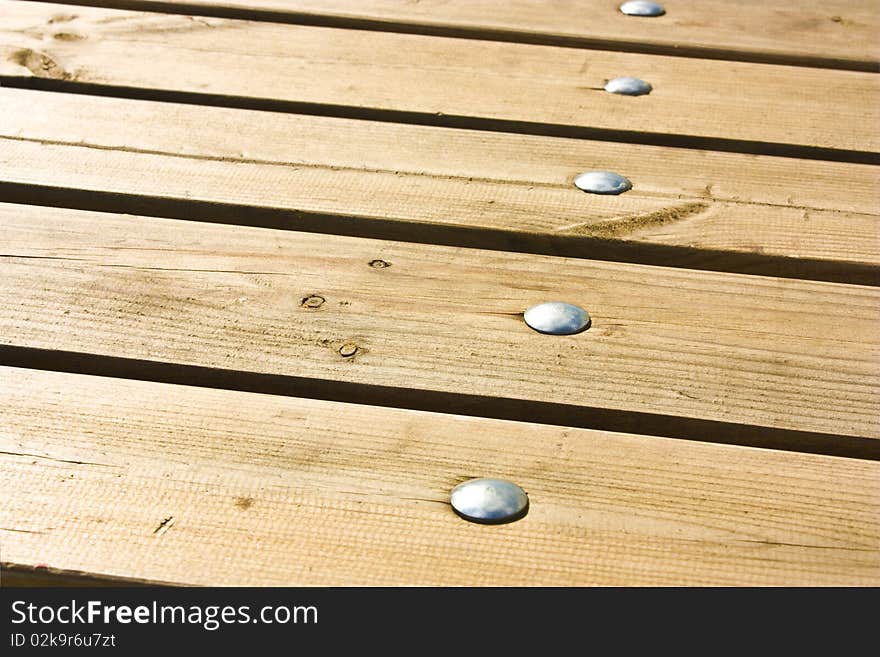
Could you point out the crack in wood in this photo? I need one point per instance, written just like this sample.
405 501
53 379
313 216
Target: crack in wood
164 526
57 460
635 223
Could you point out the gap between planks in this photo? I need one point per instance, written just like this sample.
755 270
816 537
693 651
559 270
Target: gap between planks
762 32
442 120
518 410
268 490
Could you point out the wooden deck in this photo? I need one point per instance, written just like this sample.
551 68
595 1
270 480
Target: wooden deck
263 267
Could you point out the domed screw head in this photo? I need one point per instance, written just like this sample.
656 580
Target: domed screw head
489 501
627 86
602 182
557 318
642 8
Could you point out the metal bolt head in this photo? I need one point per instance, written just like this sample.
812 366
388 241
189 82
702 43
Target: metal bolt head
557 318
627 86
642 8
602 182
489 501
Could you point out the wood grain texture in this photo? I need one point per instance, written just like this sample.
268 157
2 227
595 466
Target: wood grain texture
740 349
842 29
427 75
416 174
197 486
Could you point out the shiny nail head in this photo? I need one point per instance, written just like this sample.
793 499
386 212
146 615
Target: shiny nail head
627 86
489 501
642 8
602 182
557 318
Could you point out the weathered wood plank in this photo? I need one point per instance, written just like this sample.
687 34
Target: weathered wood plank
738 349
490 80
845 30
197 486
499 182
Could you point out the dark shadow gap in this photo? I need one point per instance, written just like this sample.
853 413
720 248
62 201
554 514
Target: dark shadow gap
568 415
486 34
440 120
571 246
18 576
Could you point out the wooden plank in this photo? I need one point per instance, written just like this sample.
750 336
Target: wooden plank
720 347
535 85
511 184
846 30
197 486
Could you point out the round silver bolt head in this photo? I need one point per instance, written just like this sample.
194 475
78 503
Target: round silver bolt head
557 318
642 8
602 182
627 86
489 501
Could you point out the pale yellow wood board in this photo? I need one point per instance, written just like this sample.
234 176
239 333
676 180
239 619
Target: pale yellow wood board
429 75
196 486
416 174
810 28
744 349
